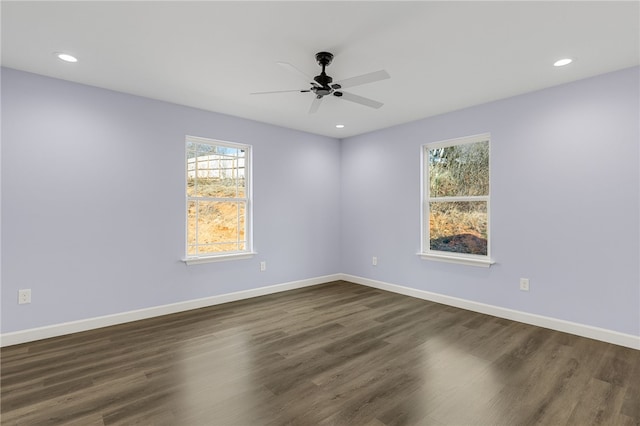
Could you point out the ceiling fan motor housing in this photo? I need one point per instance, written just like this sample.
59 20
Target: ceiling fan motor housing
323 80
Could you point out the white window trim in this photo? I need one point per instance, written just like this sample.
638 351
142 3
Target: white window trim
450 257
225 256
195 260
459 258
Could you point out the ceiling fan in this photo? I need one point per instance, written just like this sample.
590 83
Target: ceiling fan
323 85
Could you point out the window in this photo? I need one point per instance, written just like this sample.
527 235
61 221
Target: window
455 212
218 199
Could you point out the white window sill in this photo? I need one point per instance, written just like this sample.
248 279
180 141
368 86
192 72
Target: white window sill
218 258
462 260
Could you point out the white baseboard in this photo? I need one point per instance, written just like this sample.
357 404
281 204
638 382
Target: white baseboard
591 332
609 336
30 335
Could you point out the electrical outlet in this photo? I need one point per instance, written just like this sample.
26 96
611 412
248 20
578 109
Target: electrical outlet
263 266
24 296
374 261
524 284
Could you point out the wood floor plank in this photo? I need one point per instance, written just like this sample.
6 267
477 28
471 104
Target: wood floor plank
333 354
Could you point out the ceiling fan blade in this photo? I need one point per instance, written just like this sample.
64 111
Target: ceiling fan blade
280 91
296 70
363 79
315 104
360 100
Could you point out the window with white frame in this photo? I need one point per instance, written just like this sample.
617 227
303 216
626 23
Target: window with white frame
218 198
456 200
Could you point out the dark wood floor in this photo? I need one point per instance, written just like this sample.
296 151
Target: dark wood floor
334 354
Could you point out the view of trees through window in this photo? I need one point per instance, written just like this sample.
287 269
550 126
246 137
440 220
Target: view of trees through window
216 198
458 197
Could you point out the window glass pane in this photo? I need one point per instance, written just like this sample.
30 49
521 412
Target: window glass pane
217 223
217 172
459 227
241 174
192 148
205 149
221 247
191 182
459 170
191 168
191 226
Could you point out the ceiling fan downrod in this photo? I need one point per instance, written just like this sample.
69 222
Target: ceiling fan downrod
324 59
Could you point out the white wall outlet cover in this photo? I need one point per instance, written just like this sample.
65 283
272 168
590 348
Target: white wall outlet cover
24 296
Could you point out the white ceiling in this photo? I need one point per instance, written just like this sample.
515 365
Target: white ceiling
442 56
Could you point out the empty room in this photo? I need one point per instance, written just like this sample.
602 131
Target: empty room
320 213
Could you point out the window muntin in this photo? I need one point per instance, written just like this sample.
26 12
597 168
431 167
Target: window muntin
456 201
218 202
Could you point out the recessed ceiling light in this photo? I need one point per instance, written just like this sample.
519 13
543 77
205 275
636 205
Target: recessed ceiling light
66 57
339 126
562 62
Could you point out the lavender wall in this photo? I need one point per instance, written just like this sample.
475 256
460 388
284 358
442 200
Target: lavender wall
93 203
565 203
